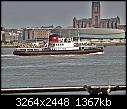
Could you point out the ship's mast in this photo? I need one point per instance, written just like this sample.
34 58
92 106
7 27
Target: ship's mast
78 36
60 33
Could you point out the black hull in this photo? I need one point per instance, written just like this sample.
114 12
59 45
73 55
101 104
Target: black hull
69 52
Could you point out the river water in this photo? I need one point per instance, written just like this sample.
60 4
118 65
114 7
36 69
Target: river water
37 71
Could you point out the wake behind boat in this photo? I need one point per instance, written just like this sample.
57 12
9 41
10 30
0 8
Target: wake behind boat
58 46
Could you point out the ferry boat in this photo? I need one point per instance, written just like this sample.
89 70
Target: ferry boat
59 46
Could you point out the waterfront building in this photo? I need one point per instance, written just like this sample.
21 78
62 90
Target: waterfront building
85 34
42 34
90 33
96 22
102 33
35 34
10 35
2 36
106 35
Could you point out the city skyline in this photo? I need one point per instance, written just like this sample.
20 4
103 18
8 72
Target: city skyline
37 14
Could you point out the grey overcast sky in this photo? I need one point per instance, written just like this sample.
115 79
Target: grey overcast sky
35 14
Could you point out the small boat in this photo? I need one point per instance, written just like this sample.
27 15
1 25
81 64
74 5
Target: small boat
59 46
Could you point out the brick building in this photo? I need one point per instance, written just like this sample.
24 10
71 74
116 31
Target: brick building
31 34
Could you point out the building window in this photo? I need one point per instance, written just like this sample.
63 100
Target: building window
82 25
96 20
103 25
23 35
28 35
32 35
85 25
89 24
107 24
96 9
111 24
115 24
78 24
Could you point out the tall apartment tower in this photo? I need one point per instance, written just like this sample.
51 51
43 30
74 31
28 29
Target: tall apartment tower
96 14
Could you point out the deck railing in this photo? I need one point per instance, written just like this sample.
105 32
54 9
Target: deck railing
91 89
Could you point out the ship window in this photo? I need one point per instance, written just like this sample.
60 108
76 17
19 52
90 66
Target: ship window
36 49
29 49
21 50
53 44
62 44
82 47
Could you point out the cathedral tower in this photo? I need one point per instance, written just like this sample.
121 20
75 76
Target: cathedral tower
95 13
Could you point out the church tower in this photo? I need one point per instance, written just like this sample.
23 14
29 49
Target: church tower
95 14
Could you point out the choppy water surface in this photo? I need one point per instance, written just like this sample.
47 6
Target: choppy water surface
37 71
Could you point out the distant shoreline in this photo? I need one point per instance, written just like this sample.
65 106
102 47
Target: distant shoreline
7 46
98 44
110 44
